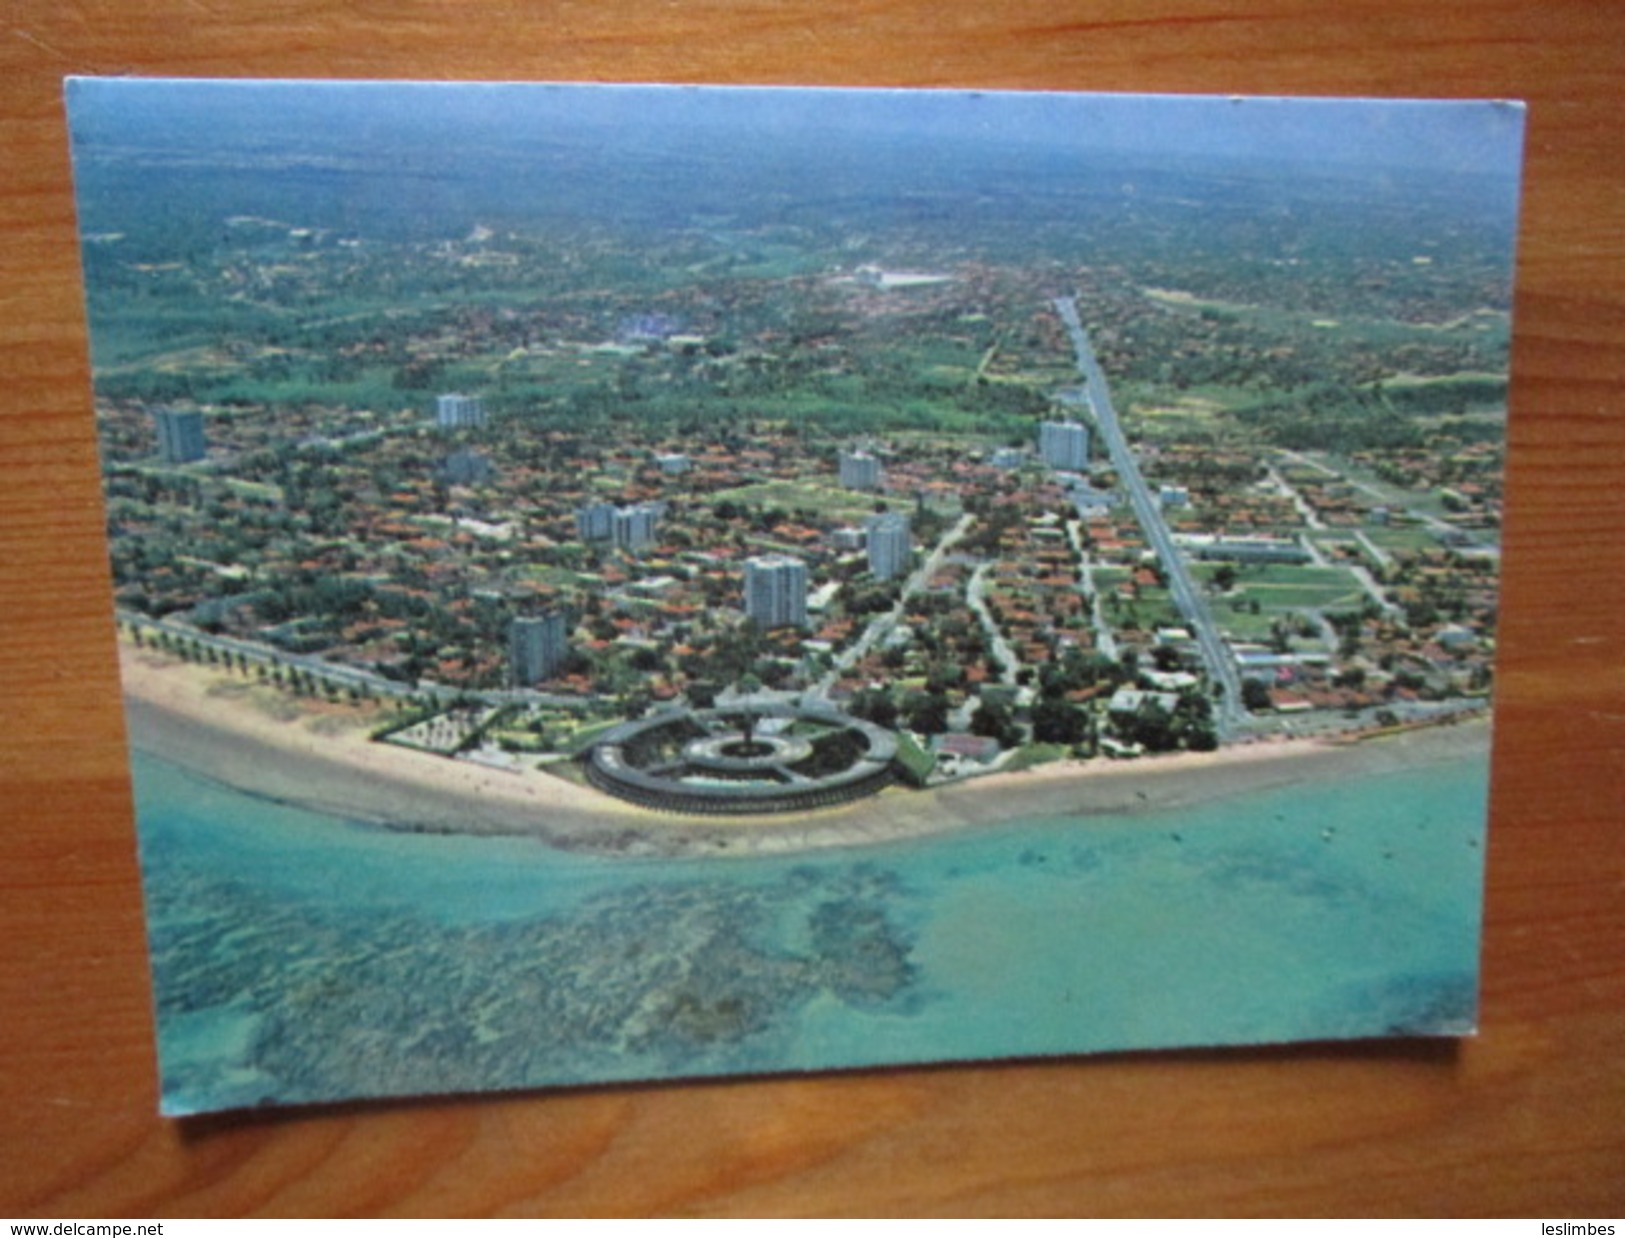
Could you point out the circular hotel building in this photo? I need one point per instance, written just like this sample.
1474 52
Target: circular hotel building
741 760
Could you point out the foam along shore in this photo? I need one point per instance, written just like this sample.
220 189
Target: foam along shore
250 738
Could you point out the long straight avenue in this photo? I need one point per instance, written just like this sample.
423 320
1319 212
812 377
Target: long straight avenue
1215 654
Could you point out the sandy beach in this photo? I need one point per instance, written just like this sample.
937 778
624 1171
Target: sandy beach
244 735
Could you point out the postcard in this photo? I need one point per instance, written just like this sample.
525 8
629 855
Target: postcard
647 582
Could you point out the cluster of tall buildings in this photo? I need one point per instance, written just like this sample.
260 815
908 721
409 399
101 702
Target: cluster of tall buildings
459 412
775 585
628 528
775 596
1062 445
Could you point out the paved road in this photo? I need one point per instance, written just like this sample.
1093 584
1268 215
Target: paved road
1311 518
1220 665
976 599
269 656
1393 499
1373 590
1105 641
349 676
881 625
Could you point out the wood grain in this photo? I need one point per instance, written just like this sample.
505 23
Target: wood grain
1524 1120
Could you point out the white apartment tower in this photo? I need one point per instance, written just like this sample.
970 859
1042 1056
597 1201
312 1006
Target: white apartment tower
776 591
537 647
887 541
595 522
859 471
458 412
630 528
634 527
1064 445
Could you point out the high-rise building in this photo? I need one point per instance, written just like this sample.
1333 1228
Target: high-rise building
537 647
595 522
776 591
180 435
630 528
634 527
888 545
1064 445
859 471
672 463
457 412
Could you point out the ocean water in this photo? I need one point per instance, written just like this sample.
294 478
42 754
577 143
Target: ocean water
299 957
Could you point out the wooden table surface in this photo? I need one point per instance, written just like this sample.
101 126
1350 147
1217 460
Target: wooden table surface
1527 1119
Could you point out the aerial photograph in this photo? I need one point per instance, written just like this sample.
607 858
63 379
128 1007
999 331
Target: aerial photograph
642 582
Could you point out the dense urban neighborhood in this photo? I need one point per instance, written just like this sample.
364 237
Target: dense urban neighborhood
1010 513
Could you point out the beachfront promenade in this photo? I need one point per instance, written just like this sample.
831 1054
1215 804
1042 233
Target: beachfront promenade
340 674
1216 656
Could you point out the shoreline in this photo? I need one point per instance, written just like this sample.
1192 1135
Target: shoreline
321 757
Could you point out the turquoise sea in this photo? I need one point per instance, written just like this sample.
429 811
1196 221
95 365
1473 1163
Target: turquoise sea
299 957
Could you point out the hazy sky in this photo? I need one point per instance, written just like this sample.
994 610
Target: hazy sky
1442 136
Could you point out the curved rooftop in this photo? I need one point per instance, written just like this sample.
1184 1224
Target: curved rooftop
739 760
